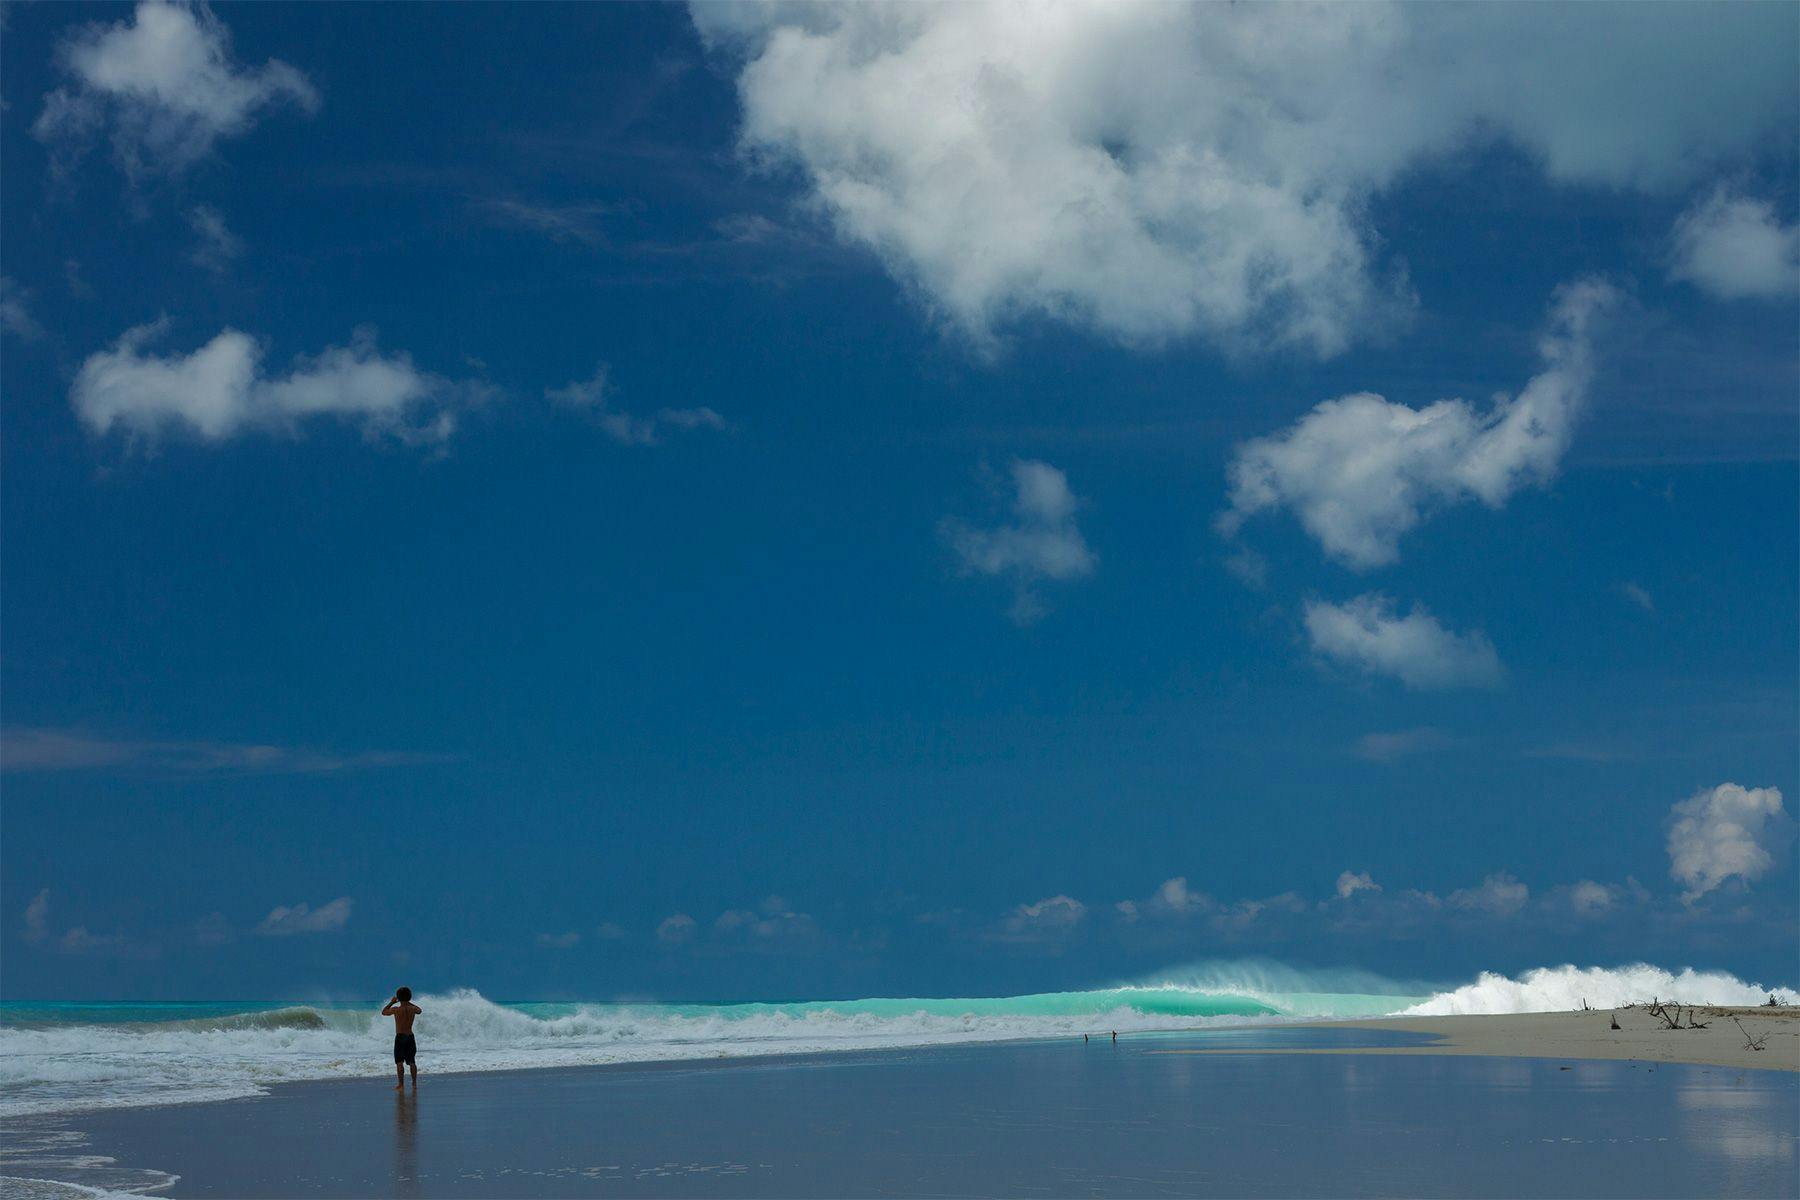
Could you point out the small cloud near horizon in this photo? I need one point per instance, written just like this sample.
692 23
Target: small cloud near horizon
48 750
285 921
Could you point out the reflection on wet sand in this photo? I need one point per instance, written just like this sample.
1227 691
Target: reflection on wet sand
1049 1118
406 1144
1725 1119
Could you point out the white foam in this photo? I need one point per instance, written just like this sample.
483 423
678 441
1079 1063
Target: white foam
1559 989
66 1068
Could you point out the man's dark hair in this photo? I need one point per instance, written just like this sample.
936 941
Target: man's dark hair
403 994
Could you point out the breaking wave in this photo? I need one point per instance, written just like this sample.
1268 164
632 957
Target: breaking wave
1556 989
63 1058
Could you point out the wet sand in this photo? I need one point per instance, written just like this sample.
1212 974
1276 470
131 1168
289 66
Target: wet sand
1040 1118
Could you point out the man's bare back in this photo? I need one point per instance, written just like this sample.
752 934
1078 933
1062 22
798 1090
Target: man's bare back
403 1012
406 1048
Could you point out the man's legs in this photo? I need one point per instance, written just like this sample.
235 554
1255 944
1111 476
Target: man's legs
400 1075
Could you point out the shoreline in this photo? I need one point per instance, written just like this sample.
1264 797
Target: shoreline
1584 1035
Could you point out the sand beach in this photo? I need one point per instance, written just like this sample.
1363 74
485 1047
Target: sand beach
1716 1036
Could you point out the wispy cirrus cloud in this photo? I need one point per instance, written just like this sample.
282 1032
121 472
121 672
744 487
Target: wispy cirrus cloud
593 396
49 750
15 311
216 247
577 223
37 916
1394 745
1638 595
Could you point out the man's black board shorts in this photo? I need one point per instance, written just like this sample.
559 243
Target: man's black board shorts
404 1048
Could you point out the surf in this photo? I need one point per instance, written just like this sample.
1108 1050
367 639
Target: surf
68 1058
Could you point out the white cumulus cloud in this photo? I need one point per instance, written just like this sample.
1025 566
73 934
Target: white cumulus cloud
163 87
220 391
1360 472
1368 635
1042 542
1161 170
285 921
1351 882
1722 833
1736 248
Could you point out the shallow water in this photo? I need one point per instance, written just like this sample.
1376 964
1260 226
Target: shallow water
1045 1118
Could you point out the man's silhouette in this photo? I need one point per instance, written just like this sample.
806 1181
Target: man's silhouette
403 1010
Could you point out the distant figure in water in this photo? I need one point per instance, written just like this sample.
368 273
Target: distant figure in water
403 1010
1115 1034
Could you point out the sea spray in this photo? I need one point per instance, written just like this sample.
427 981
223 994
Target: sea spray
1557 989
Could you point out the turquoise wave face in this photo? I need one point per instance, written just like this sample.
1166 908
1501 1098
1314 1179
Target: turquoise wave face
1173 1002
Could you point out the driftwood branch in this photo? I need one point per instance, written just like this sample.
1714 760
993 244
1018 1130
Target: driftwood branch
1670 1015
1751 1043
1670 1020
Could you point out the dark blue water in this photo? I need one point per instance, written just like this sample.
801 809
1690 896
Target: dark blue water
1052 1119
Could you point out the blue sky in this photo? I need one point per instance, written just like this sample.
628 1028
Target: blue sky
761 502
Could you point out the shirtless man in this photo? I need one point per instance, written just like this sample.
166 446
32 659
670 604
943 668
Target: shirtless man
403 1010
